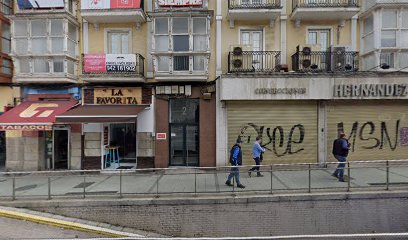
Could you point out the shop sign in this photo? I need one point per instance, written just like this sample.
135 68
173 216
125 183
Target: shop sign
370 90
275 91
161 136
118 96
109 4
180 3
109 63
38 4
174 90
26 127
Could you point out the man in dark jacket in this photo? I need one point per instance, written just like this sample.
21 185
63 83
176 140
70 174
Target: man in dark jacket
341 148
235 160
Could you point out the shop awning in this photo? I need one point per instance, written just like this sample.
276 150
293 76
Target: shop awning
34 115
101 114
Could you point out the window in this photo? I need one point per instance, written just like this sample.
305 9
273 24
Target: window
389 28
185 40
368 34
118 42
6 6
5 38
319 37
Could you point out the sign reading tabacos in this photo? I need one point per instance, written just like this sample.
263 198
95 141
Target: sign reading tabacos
180 3
118 96
109 4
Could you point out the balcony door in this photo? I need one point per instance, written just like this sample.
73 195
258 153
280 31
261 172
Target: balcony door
321 39
253 41
119 42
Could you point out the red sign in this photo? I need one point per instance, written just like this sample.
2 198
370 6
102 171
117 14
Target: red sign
125 4
161 136
110 4
95 63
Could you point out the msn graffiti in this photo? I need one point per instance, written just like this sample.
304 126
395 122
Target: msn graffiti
283 143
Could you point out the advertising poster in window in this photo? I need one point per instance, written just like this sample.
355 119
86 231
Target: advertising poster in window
30 4
180 3
109 63
110 4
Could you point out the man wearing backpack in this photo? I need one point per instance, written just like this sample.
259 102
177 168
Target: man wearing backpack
235 160
341 148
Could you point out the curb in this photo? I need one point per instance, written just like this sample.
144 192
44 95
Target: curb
65 224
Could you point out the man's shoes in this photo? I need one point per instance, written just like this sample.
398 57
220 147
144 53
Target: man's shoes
259 174
250 173
341 180
241 186
228 184
335 175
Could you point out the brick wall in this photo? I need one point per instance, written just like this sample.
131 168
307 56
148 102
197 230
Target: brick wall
243 216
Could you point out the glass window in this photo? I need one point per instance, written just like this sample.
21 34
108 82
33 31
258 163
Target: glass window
21 46
181 63
57 45
57 27
184 111
39 45
199 25
162 43
312 38
58 65
38 28
6 38
72 32
403 60
161 26
6 68
24 65
180 43
387 58
118 42
388 38
20 28
71 48
404 19
163 64
41 65
200 43
389 19
71 67
369 42
368 25
199 63
180 25
404 38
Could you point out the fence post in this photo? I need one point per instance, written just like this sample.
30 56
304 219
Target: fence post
349 177
84 186
310 178
195 182
387 176
49 188
14 188
233 180
271 179
157 184
120 184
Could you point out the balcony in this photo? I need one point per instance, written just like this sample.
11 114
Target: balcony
112 68
55 8
315 10
254 62
323 62
369 5
254 10
107 11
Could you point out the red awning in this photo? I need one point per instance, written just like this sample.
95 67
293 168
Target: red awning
34 115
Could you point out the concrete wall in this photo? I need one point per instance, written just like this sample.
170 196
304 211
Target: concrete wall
252 216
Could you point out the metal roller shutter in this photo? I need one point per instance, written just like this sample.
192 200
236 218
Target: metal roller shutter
378 130
288 129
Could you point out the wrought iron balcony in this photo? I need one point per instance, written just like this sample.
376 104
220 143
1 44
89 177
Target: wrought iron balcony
113 67
324 4
319 62
254 61
254 4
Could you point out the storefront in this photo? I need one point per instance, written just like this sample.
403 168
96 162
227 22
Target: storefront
33 139
299 118
117 127
185 126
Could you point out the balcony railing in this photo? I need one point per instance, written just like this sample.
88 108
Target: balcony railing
115 64
254 4
323 3
254 61
340 61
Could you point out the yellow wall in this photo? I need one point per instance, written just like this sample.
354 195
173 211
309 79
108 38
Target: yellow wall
7 95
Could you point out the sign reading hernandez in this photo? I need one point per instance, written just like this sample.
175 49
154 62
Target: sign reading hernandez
288 91
118 96
370 90
105 63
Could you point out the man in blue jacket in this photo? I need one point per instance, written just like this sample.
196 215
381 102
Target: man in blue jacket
257 151
235 160
341 148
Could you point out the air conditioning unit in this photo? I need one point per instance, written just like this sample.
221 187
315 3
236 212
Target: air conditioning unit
236 58
340 59
308 61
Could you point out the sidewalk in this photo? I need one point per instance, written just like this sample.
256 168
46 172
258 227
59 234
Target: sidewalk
199 181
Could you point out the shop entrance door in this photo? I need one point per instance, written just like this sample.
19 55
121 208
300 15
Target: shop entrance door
184 132
61 148
2 150
123 136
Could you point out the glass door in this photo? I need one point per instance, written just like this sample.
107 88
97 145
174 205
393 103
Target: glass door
184 132
2 150
123 136
253 42
61 148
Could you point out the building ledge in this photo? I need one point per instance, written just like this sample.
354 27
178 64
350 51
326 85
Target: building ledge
114 15
45 78
320 13
95 78
181 77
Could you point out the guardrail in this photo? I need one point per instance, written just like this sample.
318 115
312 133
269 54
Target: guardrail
323 3
254 4
278 179
254 62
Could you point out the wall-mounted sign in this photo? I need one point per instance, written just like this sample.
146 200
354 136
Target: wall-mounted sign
118 96
26 127
275 91
161 136
180 3
174 90
109 4
30 4
109 63
370 90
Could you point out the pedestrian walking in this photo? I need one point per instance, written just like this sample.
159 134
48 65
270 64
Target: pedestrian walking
257 152
341 148
235 160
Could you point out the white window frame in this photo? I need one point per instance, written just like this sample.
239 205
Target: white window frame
106 37
317 28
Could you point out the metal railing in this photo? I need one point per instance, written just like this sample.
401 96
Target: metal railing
278 179
325 61
137 69
323 3
254 4
254 62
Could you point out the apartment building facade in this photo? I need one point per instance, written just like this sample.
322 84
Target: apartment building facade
299 72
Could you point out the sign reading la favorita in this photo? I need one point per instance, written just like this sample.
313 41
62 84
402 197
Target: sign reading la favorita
102 63
109 4
370 90
117 96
